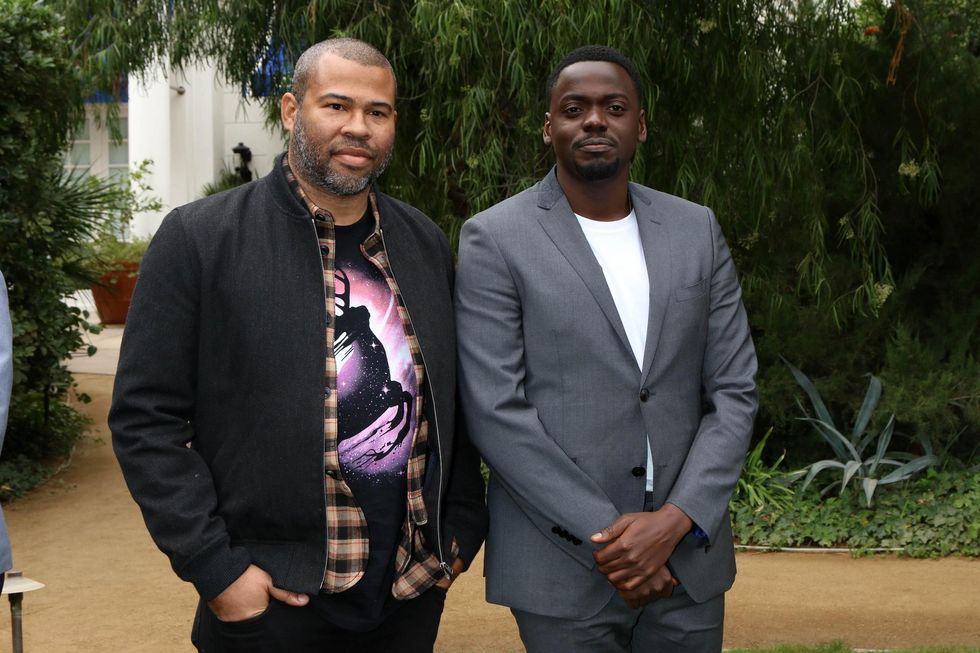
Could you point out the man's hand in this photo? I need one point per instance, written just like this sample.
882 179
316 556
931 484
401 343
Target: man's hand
660 586
444 582
638 545
249 596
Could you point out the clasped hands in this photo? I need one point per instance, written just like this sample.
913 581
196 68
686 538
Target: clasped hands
635 552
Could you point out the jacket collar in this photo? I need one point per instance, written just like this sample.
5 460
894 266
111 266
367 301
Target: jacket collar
550 193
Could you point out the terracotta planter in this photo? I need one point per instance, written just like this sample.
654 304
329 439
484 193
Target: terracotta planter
114 292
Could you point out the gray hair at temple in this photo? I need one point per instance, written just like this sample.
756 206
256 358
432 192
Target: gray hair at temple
345 48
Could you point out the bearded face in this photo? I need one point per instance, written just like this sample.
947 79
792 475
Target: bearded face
315 159
342 125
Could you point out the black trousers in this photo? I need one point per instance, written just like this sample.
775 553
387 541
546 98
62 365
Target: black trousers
281 628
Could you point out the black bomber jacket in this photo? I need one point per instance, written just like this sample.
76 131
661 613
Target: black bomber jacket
217 411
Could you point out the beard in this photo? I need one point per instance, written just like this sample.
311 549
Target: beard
598 170
313 160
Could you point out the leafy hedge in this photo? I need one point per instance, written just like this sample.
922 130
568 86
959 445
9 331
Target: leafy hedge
936 515
46 216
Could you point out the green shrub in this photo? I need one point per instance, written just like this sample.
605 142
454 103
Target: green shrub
46 214
227 179
936 392
762 485
936 515
20 474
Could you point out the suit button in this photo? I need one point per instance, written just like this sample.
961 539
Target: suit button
639 471
556 530
576 541
644 394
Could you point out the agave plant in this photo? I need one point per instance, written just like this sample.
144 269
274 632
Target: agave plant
881 467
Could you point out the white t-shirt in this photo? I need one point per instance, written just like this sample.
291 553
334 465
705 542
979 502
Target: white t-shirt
617 247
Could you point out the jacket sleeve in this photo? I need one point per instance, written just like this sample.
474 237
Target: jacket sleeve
152 417
466 504
6 358
715 459
551 489
6 387
466 495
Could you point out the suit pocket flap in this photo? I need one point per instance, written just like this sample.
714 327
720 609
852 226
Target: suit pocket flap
691 292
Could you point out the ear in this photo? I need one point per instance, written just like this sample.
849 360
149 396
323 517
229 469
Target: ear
287 111
642 133
546 131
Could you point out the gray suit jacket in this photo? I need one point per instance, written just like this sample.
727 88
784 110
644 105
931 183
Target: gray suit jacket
558 407
6 381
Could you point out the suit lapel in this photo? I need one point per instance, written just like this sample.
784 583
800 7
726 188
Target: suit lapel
656 250
561 226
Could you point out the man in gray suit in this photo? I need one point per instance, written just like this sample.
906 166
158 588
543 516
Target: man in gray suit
607 376
6 382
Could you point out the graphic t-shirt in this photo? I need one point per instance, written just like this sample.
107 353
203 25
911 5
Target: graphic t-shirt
376 389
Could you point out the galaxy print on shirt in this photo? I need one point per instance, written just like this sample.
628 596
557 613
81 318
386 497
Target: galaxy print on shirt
376 384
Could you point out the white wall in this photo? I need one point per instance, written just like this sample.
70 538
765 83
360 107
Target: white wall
189 135
244 122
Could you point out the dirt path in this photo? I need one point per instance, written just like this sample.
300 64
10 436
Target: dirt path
109 589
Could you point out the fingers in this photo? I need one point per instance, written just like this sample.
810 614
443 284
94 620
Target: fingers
628 583
294 599
610 561
613 530
661 586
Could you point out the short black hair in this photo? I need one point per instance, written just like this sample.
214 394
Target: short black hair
595 53
345 48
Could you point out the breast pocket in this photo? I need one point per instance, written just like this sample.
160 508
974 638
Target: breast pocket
693 291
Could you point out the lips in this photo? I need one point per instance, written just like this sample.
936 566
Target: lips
353 156
595 144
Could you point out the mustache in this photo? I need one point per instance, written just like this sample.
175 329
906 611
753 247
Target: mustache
595 140
353 144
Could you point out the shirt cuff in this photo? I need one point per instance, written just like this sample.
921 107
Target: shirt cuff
700 535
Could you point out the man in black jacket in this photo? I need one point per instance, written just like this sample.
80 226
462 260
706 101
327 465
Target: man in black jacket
284 409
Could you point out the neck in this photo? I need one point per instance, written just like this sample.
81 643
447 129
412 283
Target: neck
345 209
604 200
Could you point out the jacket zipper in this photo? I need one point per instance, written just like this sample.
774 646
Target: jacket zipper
323 416
443 565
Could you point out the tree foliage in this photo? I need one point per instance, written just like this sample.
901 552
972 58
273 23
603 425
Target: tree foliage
45 214
833 142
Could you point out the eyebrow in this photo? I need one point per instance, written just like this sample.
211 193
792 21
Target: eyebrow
618 95
350 100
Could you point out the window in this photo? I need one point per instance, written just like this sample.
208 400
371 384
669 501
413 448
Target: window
95 152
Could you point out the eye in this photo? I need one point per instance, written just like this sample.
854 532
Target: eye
336 106
573 109
617 108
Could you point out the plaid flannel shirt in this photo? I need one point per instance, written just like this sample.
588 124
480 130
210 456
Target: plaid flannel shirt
417 568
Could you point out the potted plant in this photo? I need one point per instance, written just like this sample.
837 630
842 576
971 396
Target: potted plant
117 263
111 259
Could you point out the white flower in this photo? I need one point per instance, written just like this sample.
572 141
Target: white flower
909 169
706 25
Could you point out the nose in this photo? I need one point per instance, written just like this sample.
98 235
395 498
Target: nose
595 120
356 126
